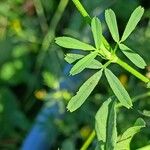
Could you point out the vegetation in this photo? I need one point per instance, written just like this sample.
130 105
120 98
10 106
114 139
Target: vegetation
110 110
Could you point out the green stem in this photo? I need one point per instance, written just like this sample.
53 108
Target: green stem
47 41
82 10
88 141
54 22
132 70
40 12
49 37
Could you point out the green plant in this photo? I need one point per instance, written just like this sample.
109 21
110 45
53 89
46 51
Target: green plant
105 119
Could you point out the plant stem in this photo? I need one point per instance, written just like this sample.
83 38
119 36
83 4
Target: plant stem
49 37
132 71
88 141
40 12
47 41
82 10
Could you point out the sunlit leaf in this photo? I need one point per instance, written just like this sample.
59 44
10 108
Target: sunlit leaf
95 64
147 147
83 63
106 125
71 58
134 57
97 31
111 21
84 91
133 21
118 89
124 142
71 43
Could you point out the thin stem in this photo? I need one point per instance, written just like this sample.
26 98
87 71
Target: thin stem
47 41
82 10
40 13
132 71
49 37
88 141
116 47
107 64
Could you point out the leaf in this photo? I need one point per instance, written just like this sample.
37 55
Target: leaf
106 125
148 84
71 43
95 64
134 57
111 21
118 89
133 21
83 63
145 113
97 31
147 147
84 91
71 58
124 141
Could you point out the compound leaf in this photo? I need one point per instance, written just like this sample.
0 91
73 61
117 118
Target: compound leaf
111 21
71 43
106 125
118 89
134 57
83 63
97 32
84 91
133 21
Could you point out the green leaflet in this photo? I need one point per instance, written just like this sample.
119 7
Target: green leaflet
97 32
111 21
118 89
72 43
95 64
84 91
148 84
106 125
145 113
124 142
147 147
83 63
71 58
134 57
132 23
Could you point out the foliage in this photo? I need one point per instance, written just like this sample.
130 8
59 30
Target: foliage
34 77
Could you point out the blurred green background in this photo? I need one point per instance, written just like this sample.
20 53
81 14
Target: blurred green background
33 73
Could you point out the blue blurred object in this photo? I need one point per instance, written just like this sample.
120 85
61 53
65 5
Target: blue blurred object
43 133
